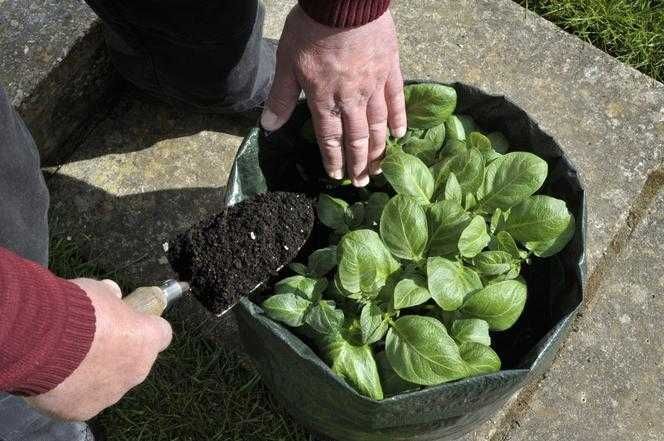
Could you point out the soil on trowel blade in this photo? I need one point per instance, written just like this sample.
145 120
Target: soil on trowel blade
228 255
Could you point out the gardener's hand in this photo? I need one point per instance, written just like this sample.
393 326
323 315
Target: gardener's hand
124 348
354 88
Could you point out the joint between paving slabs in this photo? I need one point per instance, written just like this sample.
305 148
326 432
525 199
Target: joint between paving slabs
652 186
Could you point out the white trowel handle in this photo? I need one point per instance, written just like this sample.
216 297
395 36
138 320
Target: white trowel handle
155 299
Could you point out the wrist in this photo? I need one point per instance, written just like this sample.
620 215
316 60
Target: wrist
344 13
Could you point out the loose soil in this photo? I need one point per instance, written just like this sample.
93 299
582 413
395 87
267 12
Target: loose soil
228 255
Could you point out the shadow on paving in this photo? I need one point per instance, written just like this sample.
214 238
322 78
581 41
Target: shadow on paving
146 172
138 121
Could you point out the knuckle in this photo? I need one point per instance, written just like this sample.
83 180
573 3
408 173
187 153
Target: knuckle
358 145
378 128
330 142
396 99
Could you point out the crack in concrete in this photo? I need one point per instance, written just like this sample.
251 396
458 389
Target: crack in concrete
654 183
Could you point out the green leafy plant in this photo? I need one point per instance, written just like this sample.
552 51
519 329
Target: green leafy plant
416 277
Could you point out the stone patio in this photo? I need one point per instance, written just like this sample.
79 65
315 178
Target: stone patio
146 171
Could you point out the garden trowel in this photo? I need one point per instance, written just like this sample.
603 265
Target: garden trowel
268 213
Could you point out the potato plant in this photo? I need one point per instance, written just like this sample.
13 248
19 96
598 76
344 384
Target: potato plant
417 276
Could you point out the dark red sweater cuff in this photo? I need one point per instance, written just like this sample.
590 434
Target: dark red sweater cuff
46 329
344 13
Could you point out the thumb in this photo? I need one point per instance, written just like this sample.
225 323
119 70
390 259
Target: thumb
161 331
282 100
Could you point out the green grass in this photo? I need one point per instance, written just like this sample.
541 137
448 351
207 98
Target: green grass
197 390
630 30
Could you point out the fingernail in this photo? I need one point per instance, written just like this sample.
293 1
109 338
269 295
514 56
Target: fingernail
361 181
269 120
337 174
399 132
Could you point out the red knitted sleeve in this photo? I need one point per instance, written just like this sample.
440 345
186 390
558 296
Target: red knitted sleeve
344 13
46 326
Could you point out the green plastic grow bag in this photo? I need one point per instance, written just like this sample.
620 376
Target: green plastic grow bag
323 402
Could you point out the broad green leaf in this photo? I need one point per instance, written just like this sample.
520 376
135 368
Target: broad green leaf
538 218
335 290
355 364
496 219
374 209
364 262
332 212
468 123
480 142
392 383
420 351
470 202
372 324
305 287
409 176
553 246
492 156
500 304
449 282
355 215
425 145
451 147
429 105
446 220
493 263
299 268
474 237
448 317
324 318
454 129
499 142
468 166
352 332
286 308
403 227
467 330
479 359
393 145
512 273
453 189
322 261
503 241
510 179
411 291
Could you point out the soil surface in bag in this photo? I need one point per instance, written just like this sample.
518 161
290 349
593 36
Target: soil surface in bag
226 256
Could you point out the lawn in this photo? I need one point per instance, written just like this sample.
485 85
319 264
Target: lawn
630 30
197 390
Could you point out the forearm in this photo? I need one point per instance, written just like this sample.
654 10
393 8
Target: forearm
46 328
344 13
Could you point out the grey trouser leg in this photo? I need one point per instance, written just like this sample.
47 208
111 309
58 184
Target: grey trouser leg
24 230
208 54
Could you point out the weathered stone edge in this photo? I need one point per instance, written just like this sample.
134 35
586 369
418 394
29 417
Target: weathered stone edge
73 94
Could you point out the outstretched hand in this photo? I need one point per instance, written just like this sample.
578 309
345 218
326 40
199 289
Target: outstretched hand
354 88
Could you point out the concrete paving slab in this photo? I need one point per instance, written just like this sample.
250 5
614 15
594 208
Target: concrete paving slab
54 67
145 173
607 382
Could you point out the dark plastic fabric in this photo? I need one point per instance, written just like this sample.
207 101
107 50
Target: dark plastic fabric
324 403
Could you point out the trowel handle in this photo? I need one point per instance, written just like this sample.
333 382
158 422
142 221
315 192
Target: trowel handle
155 299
